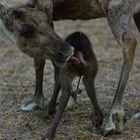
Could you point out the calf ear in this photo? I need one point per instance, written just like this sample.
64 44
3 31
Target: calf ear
137 20
17 14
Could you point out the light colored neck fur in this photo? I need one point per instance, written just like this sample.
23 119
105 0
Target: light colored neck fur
9 35
3 15
127 6
132 6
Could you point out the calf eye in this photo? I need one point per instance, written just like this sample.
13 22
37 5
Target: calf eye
17 14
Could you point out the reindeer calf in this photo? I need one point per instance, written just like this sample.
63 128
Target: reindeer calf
86 66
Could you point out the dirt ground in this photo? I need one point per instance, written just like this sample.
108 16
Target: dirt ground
17 82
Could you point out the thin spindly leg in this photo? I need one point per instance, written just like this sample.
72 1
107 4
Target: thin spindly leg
66 80
97 117
57 86
38 99
119 19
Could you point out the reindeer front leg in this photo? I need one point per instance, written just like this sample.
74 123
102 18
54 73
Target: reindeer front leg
57 86
118 18
38 99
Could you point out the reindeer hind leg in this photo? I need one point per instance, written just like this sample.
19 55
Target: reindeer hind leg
119 22
97 117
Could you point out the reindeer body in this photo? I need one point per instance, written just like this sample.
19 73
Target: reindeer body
87 67
118 14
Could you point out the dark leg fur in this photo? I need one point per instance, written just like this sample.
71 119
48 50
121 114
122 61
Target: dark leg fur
57 86
119 23
97 118
66 79
38 99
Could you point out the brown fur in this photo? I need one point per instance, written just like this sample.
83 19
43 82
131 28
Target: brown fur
87 67
118 14
34 36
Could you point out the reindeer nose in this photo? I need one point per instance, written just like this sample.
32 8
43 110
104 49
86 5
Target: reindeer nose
26 31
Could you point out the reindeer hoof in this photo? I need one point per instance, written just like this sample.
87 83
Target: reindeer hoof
28 106
40 103
116 122
97 120
98 123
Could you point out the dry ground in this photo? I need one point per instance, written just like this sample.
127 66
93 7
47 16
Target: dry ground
17 82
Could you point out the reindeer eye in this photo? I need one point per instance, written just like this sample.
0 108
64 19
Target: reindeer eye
17 14
26 31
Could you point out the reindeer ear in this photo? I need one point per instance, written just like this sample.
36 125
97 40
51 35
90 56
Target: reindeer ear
17 14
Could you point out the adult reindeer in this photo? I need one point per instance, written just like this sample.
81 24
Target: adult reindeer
34 35
119 14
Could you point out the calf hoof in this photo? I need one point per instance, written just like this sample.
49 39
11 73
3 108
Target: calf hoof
116 122
97 120
45 138
40 103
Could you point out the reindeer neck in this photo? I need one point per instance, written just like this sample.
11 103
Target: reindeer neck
6 18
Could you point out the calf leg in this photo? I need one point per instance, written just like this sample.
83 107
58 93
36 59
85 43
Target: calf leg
97 119
57 86
75 90
118 19
66 89
38 99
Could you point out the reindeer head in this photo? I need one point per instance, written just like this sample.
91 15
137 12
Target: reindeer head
34 35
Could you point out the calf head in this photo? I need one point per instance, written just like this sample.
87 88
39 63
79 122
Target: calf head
34 35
